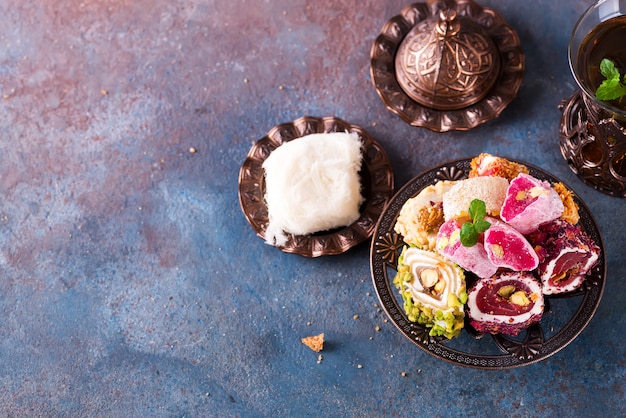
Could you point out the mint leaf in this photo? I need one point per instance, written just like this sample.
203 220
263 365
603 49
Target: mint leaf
477 210
469 236
471 229
608 70
611 88
481 226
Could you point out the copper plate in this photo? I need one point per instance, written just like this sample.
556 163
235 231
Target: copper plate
383 71
376 181
565 316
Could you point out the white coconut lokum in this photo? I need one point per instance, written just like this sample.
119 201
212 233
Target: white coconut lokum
491 190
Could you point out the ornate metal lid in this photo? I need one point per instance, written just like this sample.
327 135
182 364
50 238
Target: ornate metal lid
447 62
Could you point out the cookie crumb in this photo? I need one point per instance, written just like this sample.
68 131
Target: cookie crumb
104 92
403 374
359 366
377 328
192 150
355 317
314 342
319 359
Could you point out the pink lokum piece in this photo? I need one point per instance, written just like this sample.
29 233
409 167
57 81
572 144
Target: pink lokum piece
508 248
529 203
472 259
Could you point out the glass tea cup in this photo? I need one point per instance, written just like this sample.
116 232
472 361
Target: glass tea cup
593 134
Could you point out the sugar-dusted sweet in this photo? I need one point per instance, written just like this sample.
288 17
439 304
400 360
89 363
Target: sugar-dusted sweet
491 190
530 202
472 258
506 247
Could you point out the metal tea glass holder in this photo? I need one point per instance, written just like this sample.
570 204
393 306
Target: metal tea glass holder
593 134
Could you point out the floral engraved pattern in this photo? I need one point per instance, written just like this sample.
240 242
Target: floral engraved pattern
452 173
389 247
420 334
383 69
526 349
578 132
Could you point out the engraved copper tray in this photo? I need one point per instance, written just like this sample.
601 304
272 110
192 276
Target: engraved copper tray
383 67
565 316
376 177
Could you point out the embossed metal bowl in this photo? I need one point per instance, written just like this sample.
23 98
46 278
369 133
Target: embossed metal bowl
447 65
564 318
376 176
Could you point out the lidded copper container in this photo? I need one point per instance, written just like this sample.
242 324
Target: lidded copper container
447 65
447 62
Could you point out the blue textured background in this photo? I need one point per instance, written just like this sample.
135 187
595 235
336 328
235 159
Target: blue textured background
131 283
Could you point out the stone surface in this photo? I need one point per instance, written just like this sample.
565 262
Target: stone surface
133 286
